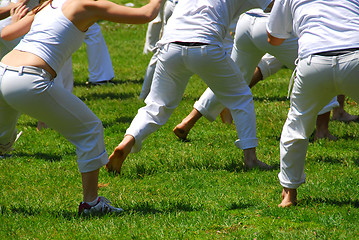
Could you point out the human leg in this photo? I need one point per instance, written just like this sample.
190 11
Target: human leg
38 97
246 55
339 114
150 71
8 120
169 82
312 89
99 60
222 75
65 78
182 129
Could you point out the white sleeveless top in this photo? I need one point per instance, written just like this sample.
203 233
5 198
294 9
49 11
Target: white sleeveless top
52 36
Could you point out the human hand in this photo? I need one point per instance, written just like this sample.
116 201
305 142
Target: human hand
18 12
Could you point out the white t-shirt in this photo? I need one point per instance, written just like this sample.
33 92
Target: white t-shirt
321 25
205 21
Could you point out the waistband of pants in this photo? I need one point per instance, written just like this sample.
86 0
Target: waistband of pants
190 44
27 69
337 52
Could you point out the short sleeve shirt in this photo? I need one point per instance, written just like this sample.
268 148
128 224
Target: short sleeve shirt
321 25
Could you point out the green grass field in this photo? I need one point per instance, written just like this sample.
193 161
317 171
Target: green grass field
178 190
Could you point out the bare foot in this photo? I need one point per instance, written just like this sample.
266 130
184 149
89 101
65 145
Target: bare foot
119 154
289 197
226 116
343 116
251 161
182 129
40 126
327 135
257 164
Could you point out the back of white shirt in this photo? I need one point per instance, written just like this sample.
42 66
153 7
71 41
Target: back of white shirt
321 25
205 21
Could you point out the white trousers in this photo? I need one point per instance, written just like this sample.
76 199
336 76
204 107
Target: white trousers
99 60
250 45
38 96
175 65
318 79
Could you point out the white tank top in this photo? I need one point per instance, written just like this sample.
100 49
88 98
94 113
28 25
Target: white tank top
52 36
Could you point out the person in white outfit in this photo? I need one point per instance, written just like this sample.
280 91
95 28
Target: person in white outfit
249 49
54 30
328 65
168 10
193 44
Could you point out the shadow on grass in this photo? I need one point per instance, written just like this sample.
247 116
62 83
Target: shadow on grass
113 82
32 211
122 119
175 206
107 95
238 166
316 200
44 156
236 205
270 99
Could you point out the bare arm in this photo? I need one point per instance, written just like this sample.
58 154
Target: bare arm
274 41
84 13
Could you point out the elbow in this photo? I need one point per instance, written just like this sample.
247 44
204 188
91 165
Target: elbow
6 36
149 16
274 41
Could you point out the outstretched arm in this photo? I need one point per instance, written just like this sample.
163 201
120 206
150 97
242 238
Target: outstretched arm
84 13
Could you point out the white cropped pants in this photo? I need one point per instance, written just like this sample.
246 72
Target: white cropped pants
36 95
318 80
175 65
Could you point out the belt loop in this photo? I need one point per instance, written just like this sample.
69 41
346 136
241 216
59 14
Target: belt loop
4 68
184 50
293 75
43 73
334 61
21 69
309 60
203 51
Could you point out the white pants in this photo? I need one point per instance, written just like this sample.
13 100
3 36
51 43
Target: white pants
38 96
318 79
250 45
175 65
99 60
66 76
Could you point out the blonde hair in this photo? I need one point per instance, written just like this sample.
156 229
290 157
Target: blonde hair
42 4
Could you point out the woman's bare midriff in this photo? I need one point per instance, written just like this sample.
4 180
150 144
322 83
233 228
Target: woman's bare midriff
17 58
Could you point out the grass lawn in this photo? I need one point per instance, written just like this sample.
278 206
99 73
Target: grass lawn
177 190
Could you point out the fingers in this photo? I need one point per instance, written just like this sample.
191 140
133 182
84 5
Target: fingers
18 12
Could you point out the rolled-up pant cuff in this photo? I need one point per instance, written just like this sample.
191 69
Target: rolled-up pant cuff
246 143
